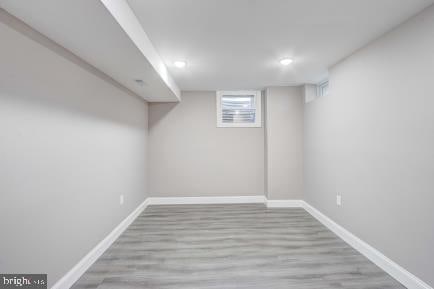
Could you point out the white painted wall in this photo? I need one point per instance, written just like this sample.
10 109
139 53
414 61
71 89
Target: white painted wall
310 92
190 156
371 140
284 142
71 141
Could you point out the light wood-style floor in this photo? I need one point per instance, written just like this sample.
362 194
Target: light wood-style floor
231 246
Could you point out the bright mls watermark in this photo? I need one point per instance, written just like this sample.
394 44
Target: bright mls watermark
33 281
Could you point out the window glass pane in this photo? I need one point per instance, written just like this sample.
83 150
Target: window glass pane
323 89
238 109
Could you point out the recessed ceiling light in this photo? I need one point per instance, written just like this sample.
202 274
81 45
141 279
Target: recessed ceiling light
180 64
286 61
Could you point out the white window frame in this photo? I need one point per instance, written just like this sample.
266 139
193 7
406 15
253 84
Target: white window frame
258 108
320 88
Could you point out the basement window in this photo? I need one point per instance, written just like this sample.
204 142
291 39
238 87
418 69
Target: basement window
323 88
239 109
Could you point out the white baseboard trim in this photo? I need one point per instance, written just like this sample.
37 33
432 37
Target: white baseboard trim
207 200
284 203
406 278
399 273
75 273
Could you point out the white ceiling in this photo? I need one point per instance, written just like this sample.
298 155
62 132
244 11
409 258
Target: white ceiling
228 44
89 30
237 44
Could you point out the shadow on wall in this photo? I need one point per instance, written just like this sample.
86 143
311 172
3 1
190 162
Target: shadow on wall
67 91
159 111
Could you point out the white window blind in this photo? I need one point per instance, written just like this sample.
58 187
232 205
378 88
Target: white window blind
239 109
